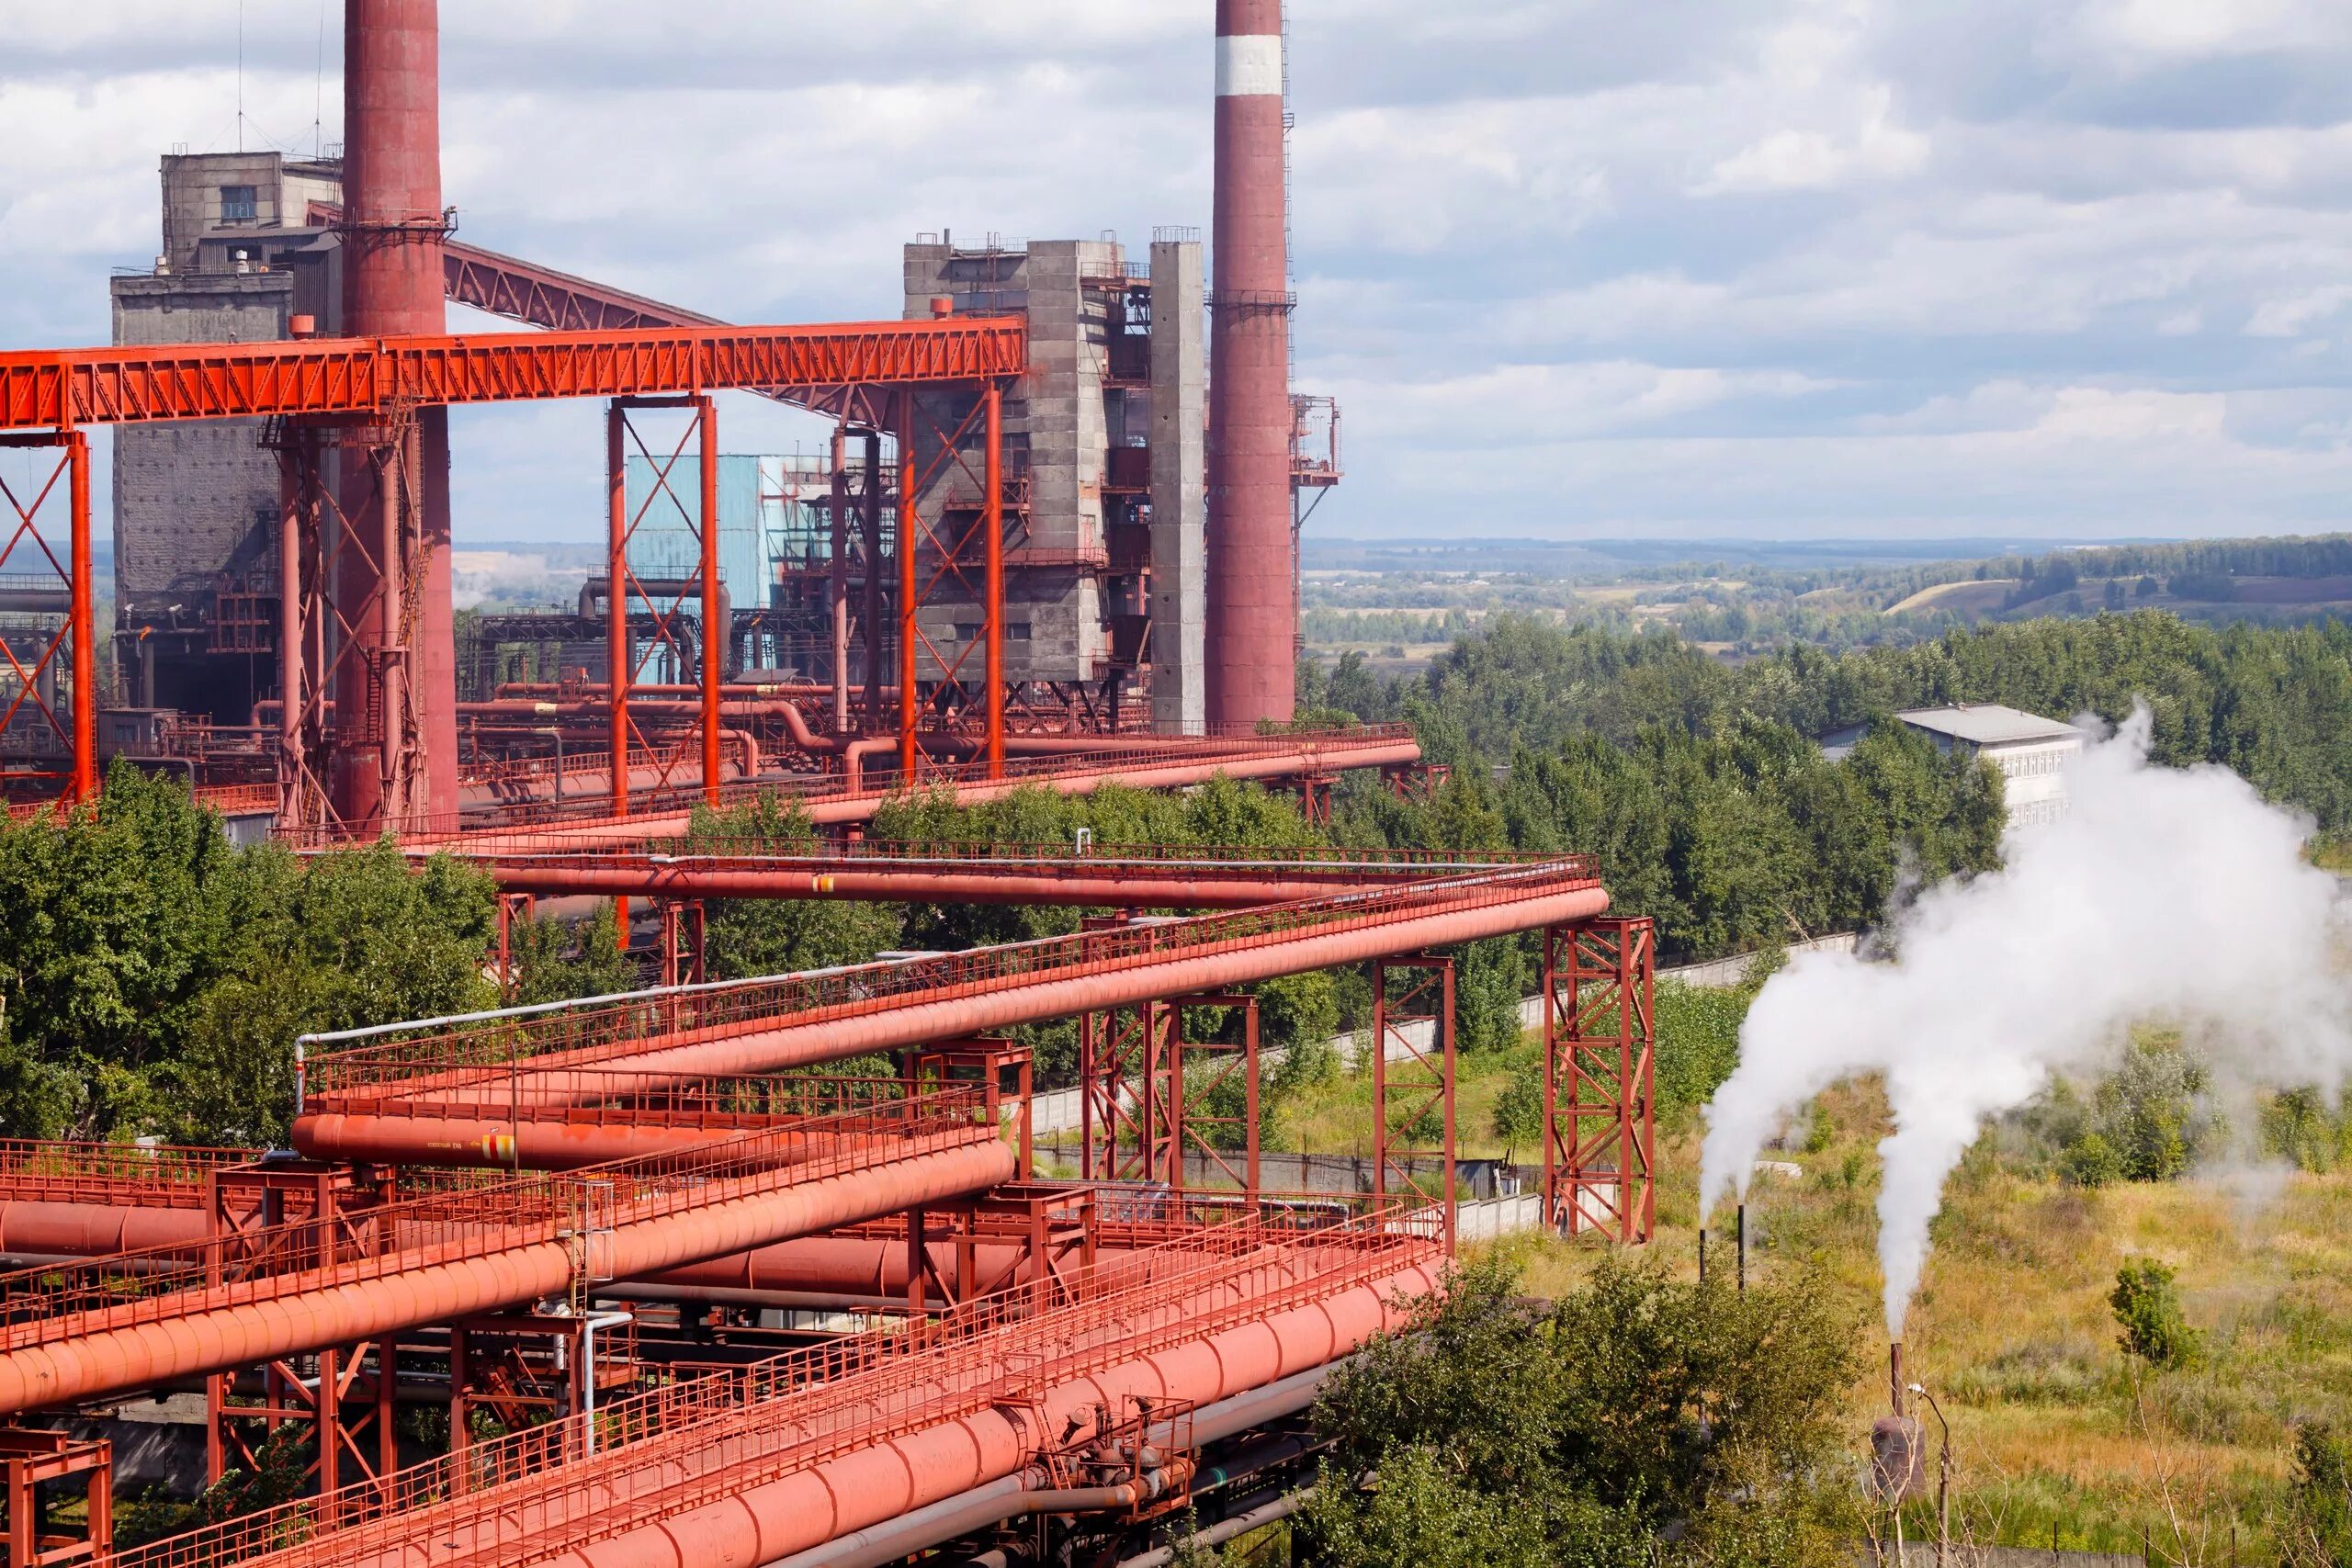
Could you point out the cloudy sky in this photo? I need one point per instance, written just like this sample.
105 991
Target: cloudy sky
1775 267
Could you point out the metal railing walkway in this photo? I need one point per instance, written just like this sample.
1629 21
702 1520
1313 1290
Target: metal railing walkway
534 1494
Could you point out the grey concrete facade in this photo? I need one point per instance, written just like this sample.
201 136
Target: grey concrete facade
189 499
1178 487
1108 422
197 199
195 504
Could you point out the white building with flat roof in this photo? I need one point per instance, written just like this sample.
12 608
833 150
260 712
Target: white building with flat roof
2031 751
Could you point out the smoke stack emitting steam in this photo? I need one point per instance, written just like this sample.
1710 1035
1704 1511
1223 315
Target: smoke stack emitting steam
2164 893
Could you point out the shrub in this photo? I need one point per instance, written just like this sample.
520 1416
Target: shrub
2091 1161
2321 1522
2296 1127
2148 1316
1519 1109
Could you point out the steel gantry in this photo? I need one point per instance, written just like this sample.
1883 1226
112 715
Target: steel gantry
1160 1093
357 552
1413 1080
1600 1127
53 728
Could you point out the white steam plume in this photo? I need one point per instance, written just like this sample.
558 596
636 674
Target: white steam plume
2164 892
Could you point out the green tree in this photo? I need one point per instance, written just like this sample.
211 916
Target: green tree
747 937
2148 1319
1519 1109
154 979
1638 1399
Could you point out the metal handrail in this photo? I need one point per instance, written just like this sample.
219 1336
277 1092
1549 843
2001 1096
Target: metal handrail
750 848
825 788
742 1427
148 1175
469 1219
466 1054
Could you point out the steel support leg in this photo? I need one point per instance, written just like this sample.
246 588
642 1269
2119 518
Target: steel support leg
1599 1137
1413 1080
992 536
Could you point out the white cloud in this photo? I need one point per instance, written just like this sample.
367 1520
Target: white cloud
1801 160
2204 27
2065 266
2288 317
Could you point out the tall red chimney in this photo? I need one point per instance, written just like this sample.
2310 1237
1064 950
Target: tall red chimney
1252 620
396 701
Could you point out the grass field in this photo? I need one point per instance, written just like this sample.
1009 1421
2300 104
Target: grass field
2058 1439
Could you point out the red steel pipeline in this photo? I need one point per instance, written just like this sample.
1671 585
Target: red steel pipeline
760 1524
720 876
859 805
1253 652
49 1229
142 1354
771 1044
833 1267
526 1142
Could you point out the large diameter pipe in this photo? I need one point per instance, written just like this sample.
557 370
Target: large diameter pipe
1106 890
771 1045
485 1141
1030 1493
42 1228
783 1043
1252 655
766 1523
853 806
112 1360
835 1269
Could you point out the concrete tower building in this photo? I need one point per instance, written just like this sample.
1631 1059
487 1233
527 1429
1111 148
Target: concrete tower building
1103 505
196 506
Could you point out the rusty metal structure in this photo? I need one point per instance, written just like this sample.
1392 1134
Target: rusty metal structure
768 1269
1149 557
587 1230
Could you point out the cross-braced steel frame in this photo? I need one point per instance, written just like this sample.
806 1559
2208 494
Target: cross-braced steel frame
28 553
341 1400
625 662
1413 1080
854 519
951 551
1143 1105
1599 1133
350 599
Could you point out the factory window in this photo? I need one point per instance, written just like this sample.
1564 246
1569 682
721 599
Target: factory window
237 204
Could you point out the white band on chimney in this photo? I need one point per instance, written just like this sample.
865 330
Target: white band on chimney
1249 65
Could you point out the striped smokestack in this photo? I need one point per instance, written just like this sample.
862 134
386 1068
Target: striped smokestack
1252 618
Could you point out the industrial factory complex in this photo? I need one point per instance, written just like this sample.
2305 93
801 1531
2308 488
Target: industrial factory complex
654 1279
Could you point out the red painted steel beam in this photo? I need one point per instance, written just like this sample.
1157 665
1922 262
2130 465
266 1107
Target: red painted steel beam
1049 984
1160 767
524 291
761 1523
166 1347
728 877
63 387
